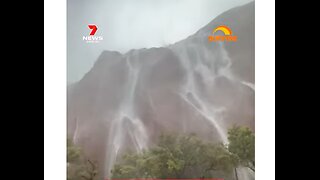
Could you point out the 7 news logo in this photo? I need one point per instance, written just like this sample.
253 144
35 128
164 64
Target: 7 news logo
92 38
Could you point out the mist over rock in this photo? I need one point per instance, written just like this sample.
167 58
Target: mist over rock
193 86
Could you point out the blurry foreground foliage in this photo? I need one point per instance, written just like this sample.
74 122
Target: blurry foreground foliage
187 156
175 156
79 167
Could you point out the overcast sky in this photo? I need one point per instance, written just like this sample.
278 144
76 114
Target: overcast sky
133 24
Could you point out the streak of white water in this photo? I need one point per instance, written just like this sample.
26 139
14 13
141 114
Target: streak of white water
225 70
245 173
75 134
126 121
208 116
250 85
206 110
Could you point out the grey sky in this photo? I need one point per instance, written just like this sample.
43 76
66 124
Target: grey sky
133 24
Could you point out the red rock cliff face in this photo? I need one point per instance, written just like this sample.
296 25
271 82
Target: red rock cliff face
193 86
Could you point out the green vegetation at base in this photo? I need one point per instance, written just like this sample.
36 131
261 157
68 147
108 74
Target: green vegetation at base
241 143
187 156
174 156
79 167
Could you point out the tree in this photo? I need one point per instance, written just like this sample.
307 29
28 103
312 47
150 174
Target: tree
241 144
177 156
78 165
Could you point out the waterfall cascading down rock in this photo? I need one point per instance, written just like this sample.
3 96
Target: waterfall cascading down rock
127 121
193 86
